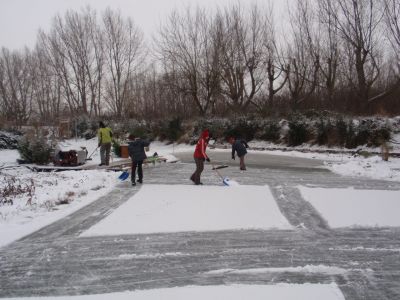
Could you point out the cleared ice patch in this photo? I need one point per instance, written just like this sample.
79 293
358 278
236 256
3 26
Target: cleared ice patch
350 207
176 208
232 292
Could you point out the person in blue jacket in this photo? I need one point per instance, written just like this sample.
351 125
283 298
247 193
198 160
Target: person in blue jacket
239 146
138 155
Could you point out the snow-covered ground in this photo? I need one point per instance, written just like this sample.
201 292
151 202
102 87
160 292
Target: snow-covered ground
48 190
162 149
343 163
177 208
350 207
166 208
48 197
221 292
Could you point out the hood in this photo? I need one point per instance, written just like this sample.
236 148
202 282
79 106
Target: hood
205 134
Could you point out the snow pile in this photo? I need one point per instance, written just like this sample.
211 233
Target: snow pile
372 167
177 208
8 157
167 151
350 207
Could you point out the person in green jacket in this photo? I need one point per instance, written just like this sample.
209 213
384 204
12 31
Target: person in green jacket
105 139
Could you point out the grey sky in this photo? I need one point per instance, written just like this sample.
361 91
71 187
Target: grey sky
21 19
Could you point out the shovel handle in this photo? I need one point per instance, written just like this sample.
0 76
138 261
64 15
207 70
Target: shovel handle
219 174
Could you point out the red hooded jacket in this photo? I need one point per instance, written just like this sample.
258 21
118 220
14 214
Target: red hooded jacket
200 151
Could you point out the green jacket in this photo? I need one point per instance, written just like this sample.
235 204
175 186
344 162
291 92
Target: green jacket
105 135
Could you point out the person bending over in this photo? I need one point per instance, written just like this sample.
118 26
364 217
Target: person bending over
239 146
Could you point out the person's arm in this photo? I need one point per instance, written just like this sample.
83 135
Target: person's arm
245 144
130 151
99 137
233 151
203 149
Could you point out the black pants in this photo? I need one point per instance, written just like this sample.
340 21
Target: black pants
138 164
199 169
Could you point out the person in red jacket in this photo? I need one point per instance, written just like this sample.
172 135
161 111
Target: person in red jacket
200 156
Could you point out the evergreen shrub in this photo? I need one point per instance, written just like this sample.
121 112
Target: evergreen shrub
35 150
380 136
174 129
271 132
298 133
217 128
350 136
116 147
324 130
242 129
341 131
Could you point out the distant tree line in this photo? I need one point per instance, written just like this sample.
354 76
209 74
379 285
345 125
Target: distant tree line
340 55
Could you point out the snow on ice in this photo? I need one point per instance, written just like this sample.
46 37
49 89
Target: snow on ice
175 208
281 291
351 207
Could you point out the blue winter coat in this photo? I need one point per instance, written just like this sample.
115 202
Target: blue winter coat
239 146
136 149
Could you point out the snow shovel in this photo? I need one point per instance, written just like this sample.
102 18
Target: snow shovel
124 176
90 156
225 180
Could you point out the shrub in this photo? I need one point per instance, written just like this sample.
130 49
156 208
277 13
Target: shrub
271 132
341 131
83 127
350 136
35 151
324 129
242 129
174 130
141 131
362 136
380 136
217 128
13 187
297 134
116 147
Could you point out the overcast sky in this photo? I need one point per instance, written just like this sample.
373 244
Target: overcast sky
21 19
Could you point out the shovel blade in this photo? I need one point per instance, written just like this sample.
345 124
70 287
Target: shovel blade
226 181
229 182
124 176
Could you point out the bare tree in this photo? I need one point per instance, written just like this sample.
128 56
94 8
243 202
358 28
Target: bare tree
74 54
276 78
46 87
392 13
124 46
16 85
188 48
329 50
303 56
242 56
358 24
